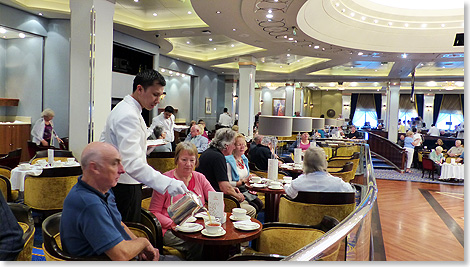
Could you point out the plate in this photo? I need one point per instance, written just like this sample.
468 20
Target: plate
189 227
157 142
220 233
200 214
258 185
275 188
191 219
246 226
236 219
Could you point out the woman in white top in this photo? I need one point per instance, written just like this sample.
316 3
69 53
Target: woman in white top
315 178
238 174
43 129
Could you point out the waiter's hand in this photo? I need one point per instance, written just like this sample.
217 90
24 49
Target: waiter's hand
176 187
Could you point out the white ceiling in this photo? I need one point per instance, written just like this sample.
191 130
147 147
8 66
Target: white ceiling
362 41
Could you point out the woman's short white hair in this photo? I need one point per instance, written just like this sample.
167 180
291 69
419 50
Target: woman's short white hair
315 160
47 112
439 149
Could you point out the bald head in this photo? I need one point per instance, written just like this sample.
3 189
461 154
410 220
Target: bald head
95 152
458 143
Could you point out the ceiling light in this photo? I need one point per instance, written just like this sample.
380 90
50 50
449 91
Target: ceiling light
459 84
234 29
162 70
215 48
360 54
189 12
290 38
424 25
323 49
280 66
406 24
363 18
390 24
218 12
343 10
136 1
270 11
210 39
375 70
40 14
376 21
288 55
431 83
183 75
352 14
155 14
178 74
269 16
170 72
232 45
21 35
404 56
337 4
316 47
188 42
2 30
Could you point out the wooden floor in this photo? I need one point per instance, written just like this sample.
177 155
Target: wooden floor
419 222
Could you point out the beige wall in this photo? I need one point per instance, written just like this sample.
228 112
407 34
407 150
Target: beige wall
322 101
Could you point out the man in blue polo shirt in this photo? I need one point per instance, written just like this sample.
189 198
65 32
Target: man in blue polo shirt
91 223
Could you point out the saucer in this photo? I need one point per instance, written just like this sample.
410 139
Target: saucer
258 185
189 227
191 219
246 226
220 233
200 215
275 188
233 218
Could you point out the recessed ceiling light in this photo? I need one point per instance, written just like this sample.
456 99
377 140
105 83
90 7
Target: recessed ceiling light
390 24
178 74
316 47
189 12
280 66
404 56
443 25
2 30
183 75
269 16
376 21
343 10
232 45
21 35
40 14
215 48
360 54
363 18
291 38
155 14
162 70
136 1
218 12
270 11
210 39
337 4
424 25
188 42
352 14
170 72
234 30
323 49
406 24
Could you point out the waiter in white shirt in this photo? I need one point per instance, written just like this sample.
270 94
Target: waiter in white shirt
126 130
166 120
225 120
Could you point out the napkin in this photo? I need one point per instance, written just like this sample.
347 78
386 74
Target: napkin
50 156
297 155
216 204
272 169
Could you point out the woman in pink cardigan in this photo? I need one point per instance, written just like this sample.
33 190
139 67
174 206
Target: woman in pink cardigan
186 160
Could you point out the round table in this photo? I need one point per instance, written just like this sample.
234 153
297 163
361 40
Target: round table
452 171
218 248
271 205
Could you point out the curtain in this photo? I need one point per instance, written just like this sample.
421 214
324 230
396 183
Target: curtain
450 112
419 100
451 104
378 105
462 102
353 106
437 107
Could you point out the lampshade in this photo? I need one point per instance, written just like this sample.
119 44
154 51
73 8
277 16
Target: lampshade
318 123
330 122
302 124
275 125
339 122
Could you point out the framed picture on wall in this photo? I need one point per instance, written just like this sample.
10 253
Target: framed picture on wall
208 105
279 106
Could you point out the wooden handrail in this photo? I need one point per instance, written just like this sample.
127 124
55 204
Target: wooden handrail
390 151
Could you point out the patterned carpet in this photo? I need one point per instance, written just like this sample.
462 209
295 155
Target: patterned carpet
414 176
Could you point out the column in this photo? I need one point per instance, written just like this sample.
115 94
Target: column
230 92
290 99
384 110
393 98
428 109
90 70
346 97
246 96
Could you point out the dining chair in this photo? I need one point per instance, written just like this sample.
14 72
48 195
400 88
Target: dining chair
12 159
230 202
24 216
339 162
310 207
428 165
6 183
162 161
286 238
346 176
52 245
347 151
47 191
61 155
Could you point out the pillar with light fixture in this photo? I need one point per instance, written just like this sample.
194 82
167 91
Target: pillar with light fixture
393 98
428 109
290 99
247 70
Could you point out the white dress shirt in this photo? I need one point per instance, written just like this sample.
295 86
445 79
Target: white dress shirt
317 182
434 131
225 119
125 129
168 126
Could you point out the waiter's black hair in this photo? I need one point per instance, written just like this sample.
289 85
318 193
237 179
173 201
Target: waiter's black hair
146 78
169 109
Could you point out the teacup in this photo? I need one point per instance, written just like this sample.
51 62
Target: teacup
24 166
70 160
207 220
239 213
287 179
256 179
58 163
213 227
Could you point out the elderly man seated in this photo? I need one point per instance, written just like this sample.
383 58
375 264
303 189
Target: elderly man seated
315 178
456 150
197 139
260 154
91 223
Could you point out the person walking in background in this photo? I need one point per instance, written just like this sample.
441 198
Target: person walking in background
410 149
225 120
126 130
434 131
43 130
166 120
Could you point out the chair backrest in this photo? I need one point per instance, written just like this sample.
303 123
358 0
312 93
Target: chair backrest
348 166
5 171
347 151
61 155
150 220
428 164
52 245
33 148
162 161
5 188
12 159
286 238
230 202
346 176
316 207
24 216
48 190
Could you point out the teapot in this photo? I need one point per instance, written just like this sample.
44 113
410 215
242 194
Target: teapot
185 207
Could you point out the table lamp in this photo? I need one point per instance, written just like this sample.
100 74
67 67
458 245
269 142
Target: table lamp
274 126
300 124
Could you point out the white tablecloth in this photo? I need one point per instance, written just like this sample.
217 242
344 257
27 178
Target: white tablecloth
449 171
17 175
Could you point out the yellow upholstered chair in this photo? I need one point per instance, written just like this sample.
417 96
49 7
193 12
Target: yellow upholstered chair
48 190
162 161
347 176
310 207
347 151
328 151
230 203
286 238
52 245
24 216
5 171
340 161
5 189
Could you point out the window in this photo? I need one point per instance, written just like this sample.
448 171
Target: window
450 114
